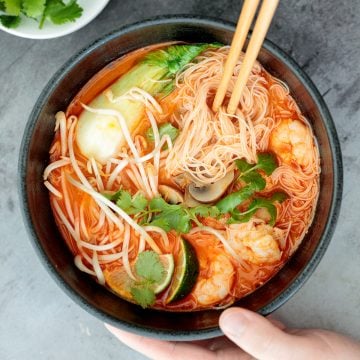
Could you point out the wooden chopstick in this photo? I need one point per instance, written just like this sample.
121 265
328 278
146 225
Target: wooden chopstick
262 25
243 25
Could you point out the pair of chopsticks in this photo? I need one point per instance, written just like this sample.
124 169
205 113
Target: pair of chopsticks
261 27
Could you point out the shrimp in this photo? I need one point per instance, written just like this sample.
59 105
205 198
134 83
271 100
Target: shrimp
218 279
256 242
291 140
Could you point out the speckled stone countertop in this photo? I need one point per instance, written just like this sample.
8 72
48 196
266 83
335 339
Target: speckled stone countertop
37 320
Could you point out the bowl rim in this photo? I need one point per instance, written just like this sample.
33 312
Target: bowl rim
334 146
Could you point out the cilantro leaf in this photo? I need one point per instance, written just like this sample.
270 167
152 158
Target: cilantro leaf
279 196
255 182
237 216
139 202
149 266
10 22
60 13
243 165
174 58
230 202
205 210
159 204
162 223
150 270
268 204
174 217
12 7
170 216
267 162
165 129
124 200
255 179
111 196
33 8
143 295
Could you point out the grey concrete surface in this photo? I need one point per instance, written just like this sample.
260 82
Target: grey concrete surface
37 320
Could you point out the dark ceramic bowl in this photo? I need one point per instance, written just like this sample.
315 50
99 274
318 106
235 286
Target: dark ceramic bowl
52 249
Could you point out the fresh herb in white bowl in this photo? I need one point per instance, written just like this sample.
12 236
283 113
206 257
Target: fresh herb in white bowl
44 19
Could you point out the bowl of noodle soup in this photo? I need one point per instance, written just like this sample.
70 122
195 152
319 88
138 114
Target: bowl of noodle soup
165 190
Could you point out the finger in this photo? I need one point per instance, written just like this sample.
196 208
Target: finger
161 350
256 335
215 344
224 348
276 322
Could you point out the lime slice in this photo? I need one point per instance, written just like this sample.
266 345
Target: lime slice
119 282
168 263
186 272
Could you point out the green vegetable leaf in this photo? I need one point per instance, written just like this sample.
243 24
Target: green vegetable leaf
124 200
170 216
10 22
33 8
165 129
112 196
257 182
161 223
204 210
12 7
243 165
60 13
159 204
175 57
268 204
149 266
230 202
143 295
174 217
2 6
253 207
279 196
139 202
267 162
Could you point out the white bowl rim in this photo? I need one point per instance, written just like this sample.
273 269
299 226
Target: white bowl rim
51 31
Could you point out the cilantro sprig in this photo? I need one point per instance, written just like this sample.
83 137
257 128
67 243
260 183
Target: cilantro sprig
56 11
150 272
256 204
164 215
178 217
249 173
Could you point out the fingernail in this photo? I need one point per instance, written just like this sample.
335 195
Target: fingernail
115 331
233 322
109 327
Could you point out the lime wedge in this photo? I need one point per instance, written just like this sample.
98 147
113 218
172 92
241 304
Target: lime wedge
119 282
186 272
168 263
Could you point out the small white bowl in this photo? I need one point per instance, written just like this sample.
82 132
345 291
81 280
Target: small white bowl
30 28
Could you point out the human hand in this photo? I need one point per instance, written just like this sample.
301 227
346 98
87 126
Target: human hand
249 335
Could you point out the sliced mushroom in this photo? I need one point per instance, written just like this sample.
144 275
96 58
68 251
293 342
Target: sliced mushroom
171 195
212 192
189 201
181 180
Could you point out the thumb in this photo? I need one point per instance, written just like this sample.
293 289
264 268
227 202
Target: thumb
256 335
